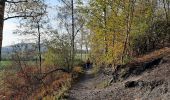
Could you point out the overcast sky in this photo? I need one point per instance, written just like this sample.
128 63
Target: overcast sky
10 25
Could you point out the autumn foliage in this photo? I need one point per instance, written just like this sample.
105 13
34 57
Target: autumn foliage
28 83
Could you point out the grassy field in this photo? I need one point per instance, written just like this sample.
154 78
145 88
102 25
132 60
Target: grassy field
84 56
3 64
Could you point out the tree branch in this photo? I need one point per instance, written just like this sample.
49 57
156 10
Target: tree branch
16 17
24 16
66 3
15 1
52 71
79 28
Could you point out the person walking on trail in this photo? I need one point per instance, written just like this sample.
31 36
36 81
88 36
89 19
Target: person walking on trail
88 63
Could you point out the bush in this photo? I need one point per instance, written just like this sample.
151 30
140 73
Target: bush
155 37
77 72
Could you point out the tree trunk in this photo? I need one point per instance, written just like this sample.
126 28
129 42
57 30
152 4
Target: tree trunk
2 10
39 45
73 36
129 19
81 46
87 50
166 9
105 29
81 51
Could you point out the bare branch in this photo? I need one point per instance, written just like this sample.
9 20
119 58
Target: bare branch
15 1
16 17
67 29
52 71
23 16
66 3
79 28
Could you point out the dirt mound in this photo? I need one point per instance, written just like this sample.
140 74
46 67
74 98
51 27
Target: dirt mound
141 64
152 84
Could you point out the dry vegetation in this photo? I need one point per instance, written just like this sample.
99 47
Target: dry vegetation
29 83
155 54
146 58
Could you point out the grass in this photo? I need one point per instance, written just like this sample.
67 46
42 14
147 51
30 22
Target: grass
3 64
84 56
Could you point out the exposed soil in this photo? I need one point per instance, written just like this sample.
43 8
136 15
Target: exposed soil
151 83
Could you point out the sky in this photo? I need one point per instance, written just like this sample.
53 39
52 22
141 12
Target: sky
8 36
11 25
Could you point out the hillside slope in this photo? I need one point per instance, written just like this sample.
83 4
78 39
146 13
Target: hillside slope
151 82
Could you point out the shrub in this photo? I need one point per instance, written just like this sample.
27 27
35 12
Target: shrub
77 72
155 37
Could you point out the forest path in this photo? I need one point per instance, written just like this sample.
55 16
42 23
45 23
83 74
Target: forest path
83 88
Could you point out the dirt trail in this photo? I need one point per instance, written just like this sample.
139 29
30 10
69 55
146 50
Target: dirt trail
152 84
85 86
